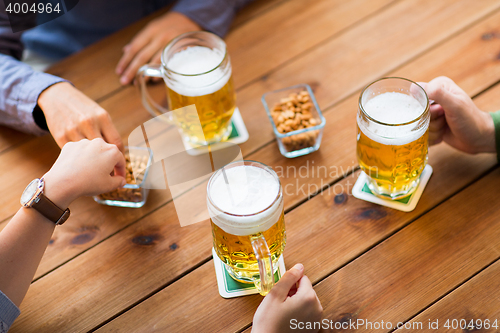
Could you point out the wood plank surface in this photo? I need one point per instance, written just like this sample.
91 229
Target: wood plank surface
139 259
339 153
477 300
423 262
340 229
446 181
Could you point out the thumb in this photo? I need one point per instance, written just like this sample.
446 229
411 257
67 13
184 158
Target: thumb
116 182
287 281
446 93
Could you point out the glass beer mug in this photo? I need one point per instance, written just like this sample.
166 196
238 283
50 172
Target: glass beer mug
393 131
196 69
245 202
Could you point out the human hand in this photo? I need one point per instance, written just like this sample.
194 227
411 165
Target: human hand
72 116
84 168
293 297
456 120
148 44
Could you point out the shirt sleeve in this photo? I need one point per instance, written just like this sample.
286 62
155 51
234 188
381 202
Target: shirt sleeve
496 121
8 312
20 87
212 15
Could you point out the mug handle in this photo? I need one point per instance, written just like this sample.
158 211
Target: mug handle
150 71
263 256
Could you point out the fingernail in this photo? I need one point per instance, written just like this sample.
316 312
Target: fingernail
123 80
299 267
124 181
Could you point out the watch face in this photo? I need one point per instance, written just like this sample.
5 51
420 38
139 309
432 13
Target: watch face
29 192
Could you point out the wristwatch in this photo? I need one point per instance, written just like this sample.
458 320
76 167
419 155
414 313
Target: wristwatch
33 197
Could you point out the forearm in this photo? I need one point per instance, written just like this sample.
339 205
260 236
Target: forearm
20 87
22 244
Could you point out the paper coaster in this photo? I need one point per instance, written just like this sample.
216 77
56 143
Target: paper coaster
363 192
229 288
239 134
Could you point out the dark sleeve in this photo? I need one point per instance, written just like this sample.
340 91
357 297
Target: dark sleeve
212 15
10 42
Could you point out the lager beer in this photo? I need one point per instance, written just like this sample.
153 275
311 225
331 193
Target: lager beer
208 86
393 131
247 220
197 71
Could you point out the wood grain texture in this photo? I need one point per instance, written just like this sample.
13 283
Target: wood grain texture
340 229
115 274
477 300
421 263
337 150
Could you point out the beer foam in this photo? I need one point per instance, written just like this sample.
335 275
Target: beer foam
249 190
196 60
393 108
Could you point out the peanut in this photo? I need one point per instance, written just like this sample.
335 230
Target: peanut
294 113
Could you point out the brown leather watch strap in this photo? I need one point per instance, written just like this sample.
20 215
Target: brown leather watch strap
50 210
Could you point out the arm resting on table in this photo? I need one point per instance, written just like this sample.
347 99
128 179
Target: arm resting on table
212 15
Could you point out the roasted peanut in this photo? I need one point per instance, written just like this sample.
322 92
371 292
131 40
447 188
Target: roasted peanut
294 113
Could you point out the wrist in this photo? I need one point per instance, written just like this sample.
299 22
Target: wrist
51 94
59 192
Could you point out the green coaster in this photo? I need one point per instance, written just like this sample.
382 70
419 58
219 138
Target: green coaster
407 204
229 288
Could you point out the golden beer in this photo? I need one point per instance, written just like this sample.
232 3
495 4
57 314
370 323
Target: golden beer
214 113
245 203
393 132
197 71
237 251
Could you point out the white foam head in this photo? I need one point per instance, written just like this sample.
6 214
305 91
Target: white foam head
246 195
392 108
197 60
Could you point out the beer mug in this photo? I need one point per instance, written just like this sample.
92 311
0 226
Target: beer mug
196 69
392 141
245 203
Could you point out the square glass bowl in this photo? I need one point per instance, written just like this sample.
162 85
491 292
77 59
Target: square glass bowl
301 141
130 195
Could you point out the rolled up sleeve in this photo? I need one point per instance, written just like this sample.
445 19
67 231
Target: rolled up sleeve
8 312
20 87
212 15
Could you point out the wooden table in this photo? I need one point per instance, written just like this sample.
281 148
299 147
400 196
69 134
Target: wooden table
136 270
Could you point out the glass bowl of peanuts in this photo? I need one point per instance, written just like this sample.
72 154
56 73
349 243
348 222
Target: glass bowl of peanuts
134 194
296 118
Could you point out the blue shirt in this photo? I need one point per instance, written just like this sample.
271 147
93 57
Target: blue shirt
88 22
8 312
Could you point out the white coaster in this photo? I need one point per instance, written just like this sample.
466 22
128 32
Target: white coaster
229 288
361 191
239 134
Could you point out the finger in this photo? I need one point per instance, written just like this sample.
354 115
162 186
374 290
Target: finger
436 111
304 285
120 164
109 132
437 124
142 58
130 50
435 137
446 93
287 282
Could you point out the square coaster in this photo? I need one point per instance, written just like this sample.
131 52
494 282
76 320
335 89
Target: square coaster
239 134
229 288
363 192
